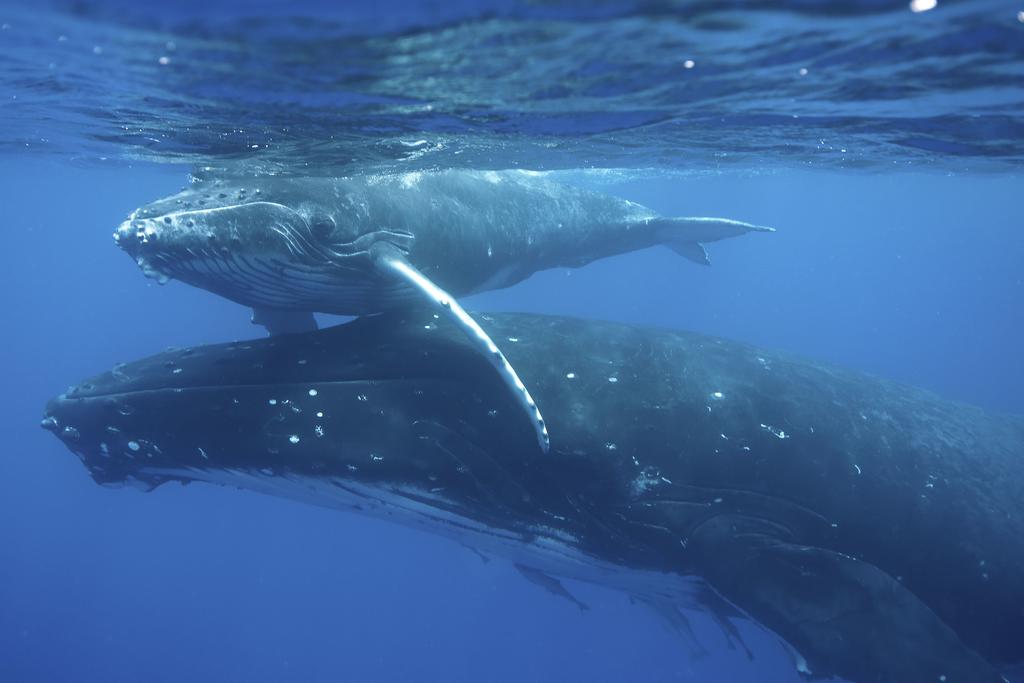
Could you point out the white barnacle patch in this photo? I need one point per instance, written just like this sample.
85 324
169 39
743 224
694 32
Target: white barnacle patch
318 430
779 433
294 438
647 478
313 392
133 445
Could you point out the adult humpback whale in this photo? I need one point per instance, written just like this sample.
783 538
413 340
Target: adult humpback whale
873 527
360 245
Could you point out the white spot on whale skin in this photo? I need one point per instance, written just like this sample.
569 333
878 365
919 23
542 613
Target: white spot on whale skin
613 380
294 438
570 375
857 468
318 430
319 414
272 401
717 395
313 392
203 453
778 433
133 445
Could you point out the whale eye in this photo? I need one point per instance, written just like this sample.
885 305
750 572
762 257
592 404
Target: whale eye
321 225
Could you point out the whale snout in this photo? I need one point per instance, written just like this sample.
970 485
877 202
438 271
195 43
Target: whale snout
134 234
139 238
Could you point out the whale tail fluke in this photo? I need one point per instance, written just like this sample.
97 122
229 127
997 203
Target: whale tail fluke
686 236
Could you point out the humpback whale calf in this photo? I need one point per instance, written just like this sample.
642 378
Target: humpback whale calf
353 246
874 528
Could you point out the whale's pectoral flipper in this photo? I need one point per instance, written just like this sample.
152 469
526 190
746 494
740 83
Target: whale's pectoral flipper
284 322
550 584
847 617
676 621
686 236
692 251
390 260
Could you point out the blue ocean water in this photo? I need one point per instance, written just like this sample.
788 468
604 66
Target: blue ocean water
884 144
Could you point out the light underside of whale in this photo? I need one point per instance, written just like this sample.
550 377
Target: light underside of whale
545 549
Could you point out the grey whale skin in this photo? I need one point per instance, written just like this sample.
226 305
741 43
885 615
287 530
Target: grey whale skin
873 527
359 245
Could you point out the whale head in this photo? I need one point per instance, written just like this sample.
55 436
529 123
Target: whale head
273 246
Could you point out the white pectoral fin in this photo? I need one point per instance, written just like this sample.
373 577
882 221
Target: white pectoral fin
395 263
692 251
686 236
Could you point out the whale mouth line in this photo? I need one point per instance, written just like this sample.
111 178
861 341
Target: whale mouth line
404 377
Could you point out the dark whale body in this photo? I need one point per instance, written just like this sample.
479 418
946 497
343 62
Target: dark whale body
874 527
